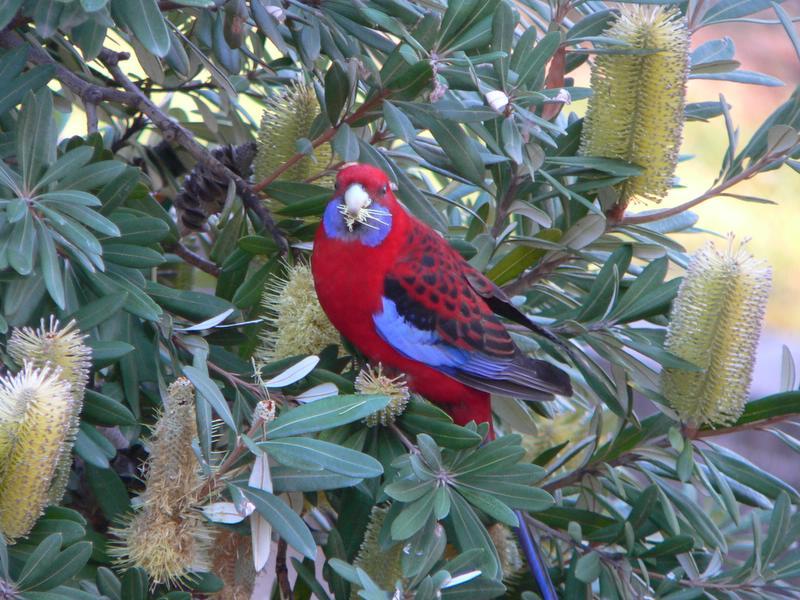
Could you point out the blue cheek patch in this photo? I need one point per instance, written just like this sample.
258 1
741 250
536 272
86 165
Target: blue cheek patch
372 235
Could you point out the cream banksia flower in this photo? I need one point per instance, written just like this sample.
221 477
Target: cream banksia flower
636 110
371 381
715 324
64 348
36 406
507 549
288 117
298 325
384 567
167 537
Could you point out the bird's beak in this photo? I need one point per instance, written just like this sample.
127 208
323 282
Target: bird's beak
356 199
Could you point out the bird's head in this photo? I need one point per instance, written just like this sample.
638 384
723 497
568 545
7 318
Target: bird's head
362 206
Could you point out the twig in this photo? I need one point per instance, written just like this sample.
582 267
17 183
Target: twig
194 259
749 172
282 571
91 117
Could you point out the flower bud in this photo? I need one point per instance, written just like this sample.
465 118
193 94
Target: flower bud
372 381
384 567
497 100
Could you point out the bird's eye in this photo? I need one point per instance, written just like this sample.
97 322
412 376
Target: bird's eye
336 186
382 189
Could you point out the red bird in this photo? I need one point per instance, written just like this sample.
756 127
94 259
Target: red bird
399 293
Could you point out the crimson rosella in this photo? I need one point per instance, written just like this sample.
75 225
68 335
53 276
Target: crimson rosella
404 297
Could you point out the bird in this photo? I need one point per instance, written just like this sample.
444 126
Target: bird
403 297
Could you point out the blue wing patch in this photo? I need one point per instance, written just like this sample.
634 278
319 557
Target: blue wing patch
427 347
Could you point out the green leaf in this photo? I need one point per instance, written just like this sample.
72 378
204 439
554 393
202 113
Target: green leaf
471 534
670 547
739 469
93 447
208 391
588 567
50 266
106 353
13 91
109 490
605 285
489 504
398 122
724 10
337 91
137 257
286 479
35 136
612 166
776 405
333 457
147 23
503 25
67 564
21 245
66 164
104 410
108 584
88 217
325 414
413 517
195 306
459 149
134 584
283 519
531 67
741 76
39 562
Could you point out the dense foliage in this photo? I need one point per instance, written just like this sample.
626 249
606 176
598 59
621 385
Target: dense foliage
184 286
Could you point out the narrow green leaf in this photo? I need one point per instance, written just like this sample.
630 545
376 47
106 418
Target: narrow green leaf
147 23
100 409
65 565
283 519
50 266
333 457
40 561
209 392
325 414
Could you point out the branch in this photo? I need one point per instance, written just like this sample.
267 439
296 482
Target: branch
718 190
194 259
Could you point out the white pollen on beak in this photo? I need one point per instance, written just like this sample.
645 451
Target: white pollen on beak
356 198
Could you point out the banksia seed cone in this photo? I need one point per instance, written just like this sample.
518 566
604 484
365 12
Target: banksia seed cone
298 325
715 324
62 348
37 406
288 117
636 110
167 536
204 193
232 561
383 566
372 381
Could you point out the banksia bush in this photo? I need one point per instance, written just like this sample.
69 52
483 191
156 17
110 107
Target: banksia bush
636 112
288 117
296 322
371 380
36 407
63 348
715 324
167 536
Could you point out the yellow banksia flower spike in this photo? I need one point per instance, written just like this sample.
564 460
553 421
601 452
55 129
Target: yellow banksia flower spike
296 322
372 381
288 117
715 324
60 347
384 566
167 537
636 112
37 405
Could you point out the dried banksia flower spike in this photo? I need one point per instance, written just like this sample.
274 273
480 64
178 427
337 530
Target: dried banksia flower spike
636 112
167 536
371 380
61 347
288 117
296 322
715 324
36 406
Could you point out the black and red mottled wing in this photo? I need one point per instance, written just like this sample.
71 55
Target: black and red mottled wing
435 311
